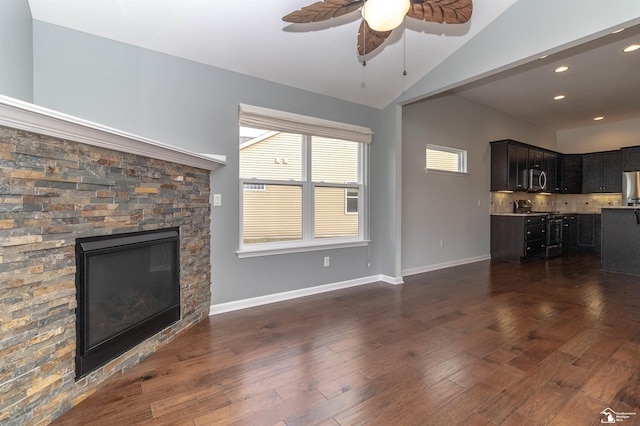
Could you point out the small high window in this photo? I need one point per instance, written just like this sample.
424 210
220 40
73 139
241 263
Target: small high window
446 159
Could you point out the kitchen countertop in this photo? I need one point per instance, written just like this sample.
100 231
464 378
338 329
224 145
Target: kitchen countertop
520 214
622 207
563 213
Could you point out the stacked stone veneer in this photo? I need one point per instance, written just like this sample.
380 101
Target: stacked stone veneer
51 192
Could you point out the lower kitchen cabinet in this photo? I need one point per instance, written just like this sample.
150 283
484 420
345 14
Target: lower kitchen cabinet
588 232
515 238
570 231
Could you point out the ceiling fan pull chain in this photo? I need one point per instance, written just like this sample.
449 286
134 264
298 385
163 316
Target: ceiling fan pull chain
404 47
364 36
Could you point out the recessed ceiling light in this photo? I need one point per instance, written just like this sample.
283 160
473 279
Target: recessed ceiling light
618 31
598 118
561 69
558 97
631 48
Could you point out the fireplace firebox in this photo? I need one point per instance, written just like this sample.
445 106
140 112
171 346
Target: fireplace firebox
128 289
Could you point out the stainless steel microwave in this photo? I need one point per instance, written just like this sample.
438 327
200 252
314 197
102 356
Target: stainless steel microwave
535 180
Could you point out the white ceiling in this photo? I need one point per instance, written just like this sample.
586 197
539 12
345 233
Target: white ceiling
250 37
602 80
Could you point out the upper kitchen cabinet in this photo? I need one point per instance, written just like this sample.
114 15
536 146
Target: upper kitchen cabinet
508 163
631 159
510 160
602 172
571 176
536 159
552 164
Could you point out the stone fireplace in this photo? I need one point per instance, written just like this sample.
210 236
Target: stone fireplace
64 182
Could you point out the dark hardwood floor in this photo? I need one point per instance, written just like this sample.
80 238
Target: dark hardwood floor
487 343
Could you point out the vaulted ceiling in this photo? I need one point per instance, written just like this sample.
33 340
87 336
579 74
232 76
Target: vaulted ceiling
250 37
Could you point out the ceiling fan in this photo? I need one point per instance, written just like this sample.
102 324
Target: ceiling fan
382 16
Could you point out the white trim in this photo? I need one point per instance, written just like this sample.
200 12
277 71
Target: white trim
271 119
270 249
444 265
236 305
21 115
461 155
391 280
445 172
257 139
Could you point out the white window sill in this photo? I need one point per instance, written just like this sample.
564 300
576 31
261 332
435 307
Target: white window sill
298 247
446 173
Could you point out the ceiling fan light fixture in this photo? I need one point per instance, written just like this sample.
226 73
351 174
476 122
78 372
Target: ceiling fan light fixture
385 15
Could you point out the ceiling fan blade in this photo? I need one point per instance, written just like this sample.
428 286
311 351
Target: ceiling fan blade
369 40
323 10
447 11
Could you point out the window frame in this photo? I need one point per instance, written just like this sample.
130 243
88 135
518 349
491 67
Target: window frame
259 187
462 160
309 242
347 197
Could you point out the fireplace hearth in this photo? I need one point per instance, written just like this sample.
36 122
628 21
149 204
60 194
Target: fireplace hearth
128 289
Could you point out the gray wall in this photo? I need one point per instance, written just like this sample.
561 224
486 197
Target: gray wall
196 107
445 207
16 76
600 137
385 177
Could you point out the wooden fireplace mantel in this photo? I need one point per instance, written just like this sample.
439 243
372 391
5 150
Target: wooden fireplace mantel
33 118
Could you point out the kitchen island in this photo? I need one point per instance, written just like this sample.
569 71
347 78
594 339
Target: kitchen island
621 239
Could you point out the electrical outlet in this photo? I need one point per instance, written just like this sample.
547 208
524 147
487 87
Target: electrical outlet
441 243
327 261
217 200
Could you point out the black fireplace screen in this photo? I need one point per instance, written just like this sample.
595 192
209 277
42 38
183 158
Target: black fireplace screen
128 289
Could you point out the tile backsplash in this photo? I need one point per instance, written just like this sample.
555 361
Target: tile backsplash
502 202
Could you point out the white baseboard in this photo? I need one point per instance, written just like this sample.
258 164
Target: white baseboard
427 268
294 294
390 280
236 305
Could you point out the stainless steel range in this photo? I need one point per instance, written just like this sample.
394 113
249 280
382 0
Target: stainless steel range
554 235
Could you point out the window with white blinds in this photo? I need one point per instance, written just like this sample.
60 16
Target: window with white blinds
302 183
446 159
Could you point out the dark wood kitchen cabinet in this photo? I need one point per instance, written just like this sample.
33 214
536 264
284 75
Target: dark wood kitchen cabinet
602 172
570 231
536 159
508 163
588 231
510 160
631 159
516 238
552 164
571 175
